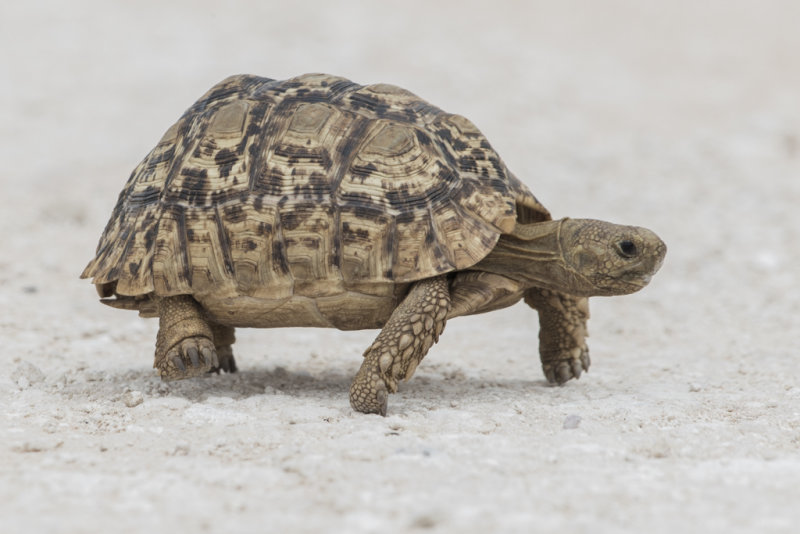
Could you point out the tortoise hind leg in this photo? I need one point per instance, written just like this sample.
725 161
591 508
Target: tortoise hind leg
412 328
223 339
184 346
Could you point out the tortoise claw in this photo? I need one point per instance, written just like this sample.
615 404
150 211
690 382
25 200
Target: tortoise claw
184 359
210 357
585 359
564 372
550 374
177 362
577 368
571 365
369 392
223 360
229 365
193 356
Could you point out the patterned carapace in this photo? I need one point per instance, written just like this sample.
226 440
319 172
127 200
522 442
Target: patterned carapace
268 188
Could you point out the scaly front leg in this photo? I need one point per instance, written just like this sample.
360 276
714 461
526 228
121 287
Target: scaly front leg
562 333
412 328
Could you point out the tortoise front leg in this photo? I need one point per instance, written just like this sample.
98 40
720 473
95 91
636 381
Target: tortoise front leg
184 345
562 333
412 328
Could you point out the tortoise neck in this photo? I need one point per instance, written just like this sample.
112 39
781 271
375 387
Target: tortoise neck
531 255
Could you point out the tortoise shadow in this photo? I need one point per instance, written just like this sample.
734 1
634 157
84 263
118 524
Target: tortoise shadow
333 384
251 382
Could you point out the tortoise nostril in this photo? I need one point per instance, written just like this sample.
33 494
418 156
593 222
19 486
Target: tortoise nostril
627 248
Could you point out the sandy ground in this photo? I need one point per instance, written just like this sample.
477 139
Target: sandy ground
679 117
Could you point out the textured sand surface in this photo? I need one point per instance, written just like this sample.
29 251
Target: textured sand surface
670 115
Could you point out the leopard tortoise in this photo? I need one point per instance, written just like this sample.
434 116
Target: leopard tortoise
315 201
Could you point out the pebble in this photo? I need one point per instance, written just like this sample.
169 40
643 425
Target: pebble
182 448
571 422
132 398
26 375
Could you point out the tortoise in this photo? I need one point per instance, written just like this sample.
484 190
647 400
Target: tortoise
319 202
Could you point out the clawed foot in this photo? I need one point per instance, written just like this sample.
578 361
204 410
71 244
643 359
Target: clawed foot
560 368
226 361
193 356
369 392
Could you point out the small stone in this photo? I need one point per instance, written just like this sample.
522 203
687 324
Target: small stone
181 448
133 398
694 387
424 522
659 450
50 427
26 374
571 422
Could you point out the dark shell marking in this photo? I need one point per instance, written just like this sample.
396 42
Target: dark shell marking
307 186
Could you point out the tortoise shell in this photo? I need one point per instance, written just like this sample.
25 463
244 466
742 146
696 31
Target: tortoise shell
308 186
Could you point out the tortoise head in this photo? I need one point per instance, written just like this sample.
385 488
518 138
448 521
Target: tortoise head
581 257
608 259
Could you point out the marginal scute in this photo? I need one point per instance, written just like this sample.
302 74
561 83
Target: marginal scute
308 188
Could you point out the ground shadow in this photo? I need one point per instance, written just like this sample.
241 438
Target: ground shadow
327 383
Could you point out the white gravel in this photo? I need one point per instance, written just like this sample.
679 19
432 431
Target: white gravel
680 116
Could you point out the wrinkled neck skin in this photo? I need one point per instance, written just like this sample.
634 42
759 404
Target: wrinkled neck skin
532 255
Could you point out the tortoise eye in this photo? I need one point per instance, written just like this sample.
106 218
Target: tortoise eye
627 248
